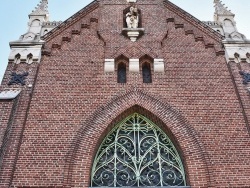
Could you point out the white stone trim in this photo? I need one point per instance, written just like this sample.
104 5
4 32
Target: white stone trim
131 1
237 48
24 52
159 65
133 35
134 65
10 94
109 65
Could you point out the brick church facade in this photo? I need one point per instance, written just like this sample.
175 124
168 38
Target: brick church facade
131 93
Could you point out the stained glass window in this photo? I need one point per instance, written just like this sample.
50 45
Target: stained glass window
137 153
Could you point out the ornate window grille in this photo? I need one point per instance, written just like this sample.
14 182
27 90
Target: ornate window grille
137 153
146 72
121 73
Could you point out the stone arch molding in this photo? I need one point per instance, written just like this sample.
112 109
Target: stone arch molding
79 160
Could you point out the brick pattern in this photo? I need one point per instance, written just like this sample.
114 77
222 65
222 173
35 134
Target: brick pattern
17 115
101 122
6 118
74 103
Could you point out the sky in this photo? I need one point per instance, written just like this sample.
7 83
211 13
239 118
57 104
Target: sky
14 14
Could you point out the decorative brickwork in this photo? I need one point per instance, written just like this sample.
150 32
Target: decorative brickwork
69 102
102 120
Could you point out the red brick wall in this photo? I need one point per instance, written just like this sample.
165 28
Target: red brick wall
74 103
13 119
5 127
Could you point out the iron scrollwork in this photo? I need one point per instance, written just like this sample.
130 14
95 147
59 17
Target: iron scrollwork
137 153
246 77
18 78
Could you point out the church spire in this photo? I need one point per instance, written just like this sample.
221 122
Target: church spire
225 18
41 9
220 9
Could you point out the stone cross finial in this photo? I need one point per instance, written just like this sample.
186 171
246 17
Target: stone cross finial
221 9
41 8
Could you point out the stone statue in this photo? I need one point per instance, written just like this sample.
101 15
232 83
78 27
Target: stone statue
132 18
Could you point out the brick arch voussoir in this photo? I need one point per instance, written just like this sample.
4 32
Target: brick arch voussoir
77 170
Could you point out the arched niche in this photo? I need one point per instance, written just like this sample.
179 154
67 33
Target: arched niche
35 23
35 26
29 58
45 31
228 26
17 59
125 11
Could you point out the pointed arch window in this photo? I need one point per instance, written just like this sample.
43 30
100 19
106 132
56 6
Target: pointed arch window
121 73
146 73
137 153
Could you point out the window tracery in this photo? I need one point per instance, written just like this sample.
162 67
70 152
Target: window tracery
137 153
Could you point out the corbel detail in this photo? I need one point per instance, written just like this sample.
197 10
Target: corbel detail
109 65
159 65
134 65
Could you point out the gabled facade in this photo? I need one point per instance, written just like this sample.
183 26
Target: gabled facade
126 93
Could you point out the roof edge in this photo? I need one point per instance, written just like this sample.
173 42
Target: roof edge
68 22
185 15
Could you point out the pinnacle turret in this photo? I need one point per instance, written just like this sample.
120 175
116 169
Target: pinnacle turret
41 9
220 9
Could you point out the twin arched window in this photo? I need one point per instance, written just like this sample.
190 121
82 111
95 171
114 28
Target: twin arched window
122 73
137 153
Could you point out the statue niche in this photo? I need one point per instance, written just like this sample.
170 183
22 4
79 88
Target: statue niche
132 18
132 23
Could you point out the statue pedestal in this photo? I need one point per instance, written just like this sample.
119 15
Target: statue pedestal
133 33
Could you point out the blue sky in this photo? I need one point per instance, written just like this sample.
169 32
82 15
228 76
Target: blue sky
14 14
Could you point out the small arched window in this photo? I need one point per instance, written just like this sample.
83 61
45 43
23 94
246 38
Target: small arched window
137 153
121 73
248 55
237 58
146 73
45 32
29 58
17 59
